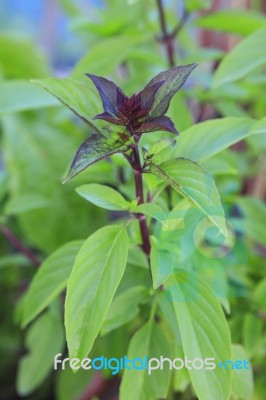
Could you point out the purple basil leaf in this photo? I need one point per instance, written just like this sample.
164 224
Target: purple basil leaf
161 123
108 117
108 92
174 79
94 149
147 95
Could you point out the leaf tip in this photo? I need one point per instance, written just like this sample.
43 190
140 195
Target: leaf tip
67 178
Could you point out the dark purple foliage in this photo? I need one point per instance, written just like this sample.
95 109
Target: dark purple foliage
142 112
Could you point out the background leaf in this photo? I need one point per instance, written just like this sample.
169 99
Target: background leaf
107 54
252 334
44 339
240 22
25 202
254 211
194 5
242 382
71 386
14 64
260 295
243 59
35 160
19 95
49 281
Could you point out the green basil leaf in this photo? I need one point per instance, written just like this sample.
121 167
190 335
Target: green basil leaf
204 333
95 277
103 196
195 184
79 97
208 138
151 210
124 308
137 384
107 54
162 263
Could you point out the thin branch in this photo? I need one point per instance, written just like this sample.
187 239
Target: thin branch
168 38
19 246
136 165
181 24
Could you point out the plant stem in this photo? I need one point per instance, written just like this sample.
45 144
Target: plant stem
19 246
166 38
137 168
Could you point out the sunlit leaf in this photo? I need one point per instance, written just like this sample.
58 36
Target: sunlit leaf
103 196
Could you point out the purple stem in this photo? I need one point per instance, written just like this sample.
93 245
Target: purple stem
19 246
166 38
136 165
